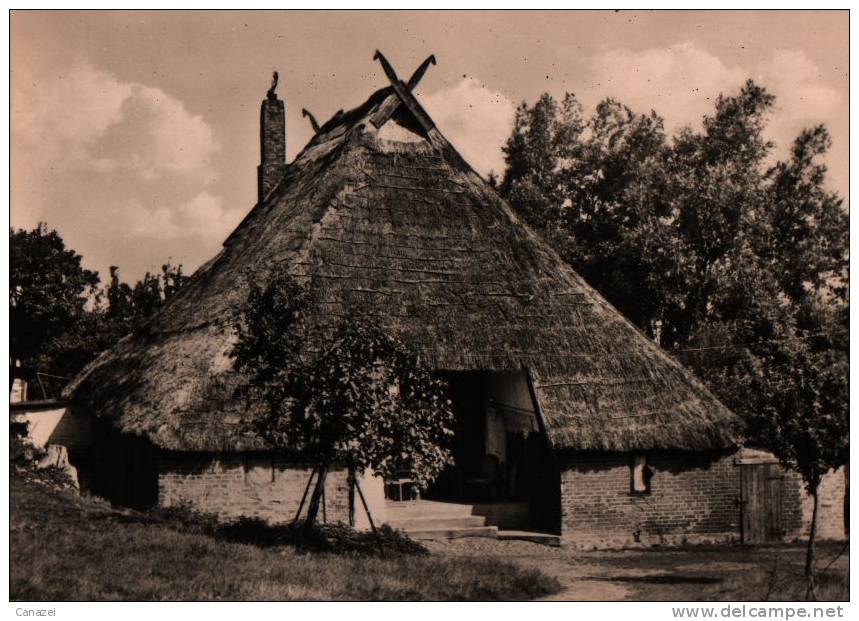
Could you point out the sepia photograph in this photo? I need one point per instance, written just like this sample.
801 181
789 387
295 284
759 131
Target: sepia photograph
430 305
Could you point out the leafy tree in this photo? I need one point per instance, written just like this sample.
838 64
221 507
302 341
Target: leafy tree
60 318
737 266
172 279
360 400
804 411
48 291
120 307
130 306
809 230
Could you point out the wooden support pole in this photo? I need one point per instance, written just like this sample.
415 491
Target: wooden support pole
369 517
364 502
304 496
351 486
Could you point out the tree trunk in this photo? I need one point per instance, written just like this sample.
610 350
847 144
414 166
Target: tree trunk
846 500
313 509
809 555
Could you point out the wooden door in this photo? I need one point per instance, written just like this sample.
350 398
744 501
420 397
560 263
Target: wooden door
761 490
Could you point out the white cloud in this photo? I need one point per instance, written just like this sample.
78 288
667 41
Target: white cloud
86 118
115 163
203 216
476 120
59 117
802 100
680 82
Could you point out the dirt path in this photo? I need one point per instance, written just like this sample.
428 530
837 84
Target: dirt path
666 574
573 572
577 583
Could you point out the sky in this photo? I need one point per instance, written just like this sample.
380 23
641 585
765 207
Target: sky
136 134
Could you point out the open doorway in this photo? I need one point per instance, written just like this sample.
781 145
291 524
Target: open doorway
502 461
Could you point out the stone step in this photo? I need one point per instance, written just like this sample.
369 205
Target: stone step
423 508
454 533
436 522
527 535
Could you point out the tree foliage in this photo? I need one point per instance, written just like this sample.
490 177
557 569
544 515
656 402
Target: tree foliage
357 397
60 316
48 290
130 306
736 264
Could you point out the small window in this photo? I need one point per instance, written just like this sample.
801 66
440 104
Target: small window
641 475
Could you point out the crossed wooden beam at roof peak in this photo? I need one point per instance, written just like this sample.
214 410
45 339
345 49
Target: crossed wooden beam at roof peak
402 95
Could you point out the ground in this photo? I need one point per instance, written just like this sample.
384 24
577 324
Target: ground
67 548
63 547
695 573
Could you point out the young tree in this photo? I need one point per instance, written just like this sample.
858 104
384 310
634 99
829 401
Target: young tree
356 398
808 422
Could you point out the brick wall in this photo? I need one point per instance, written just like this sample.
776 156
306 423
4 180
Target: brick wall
692 499
830 508
249 485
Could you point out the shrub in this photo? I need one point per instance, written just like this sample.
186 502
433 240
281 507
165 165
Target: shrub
336 538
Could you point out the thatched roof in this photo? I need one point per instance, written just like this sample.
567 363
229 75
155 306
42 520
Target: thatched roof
393 223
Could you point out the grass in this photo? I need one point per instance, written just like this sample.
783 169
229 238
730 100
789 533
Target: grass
784 580
728 573
64 547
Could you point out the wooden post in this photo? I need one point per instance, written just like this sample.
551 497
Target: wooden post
351 485
366 508
304 496
370 517
316 497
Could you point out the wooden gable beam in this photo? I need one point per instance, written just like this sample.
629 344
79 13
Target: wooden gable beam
386 66
313 123
402 94
419 72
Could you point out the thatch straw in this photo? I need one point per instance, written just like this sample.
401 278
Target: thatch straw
409 234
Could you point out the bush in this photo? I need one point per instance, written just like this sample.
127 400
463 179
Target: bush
21 452
334 538
186 520
24 456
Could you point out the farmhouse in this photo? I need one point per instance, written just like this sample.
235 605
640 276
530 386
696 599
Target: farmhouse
569 420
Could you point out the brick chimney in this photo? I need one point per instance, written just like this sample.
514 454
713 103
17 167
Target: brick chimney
272 135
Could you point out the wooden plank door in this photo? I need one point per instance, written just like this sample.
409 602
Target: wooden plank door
761 491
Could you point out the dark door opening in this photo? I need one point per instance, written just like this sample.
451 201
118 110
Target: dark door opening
118 467
500 452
